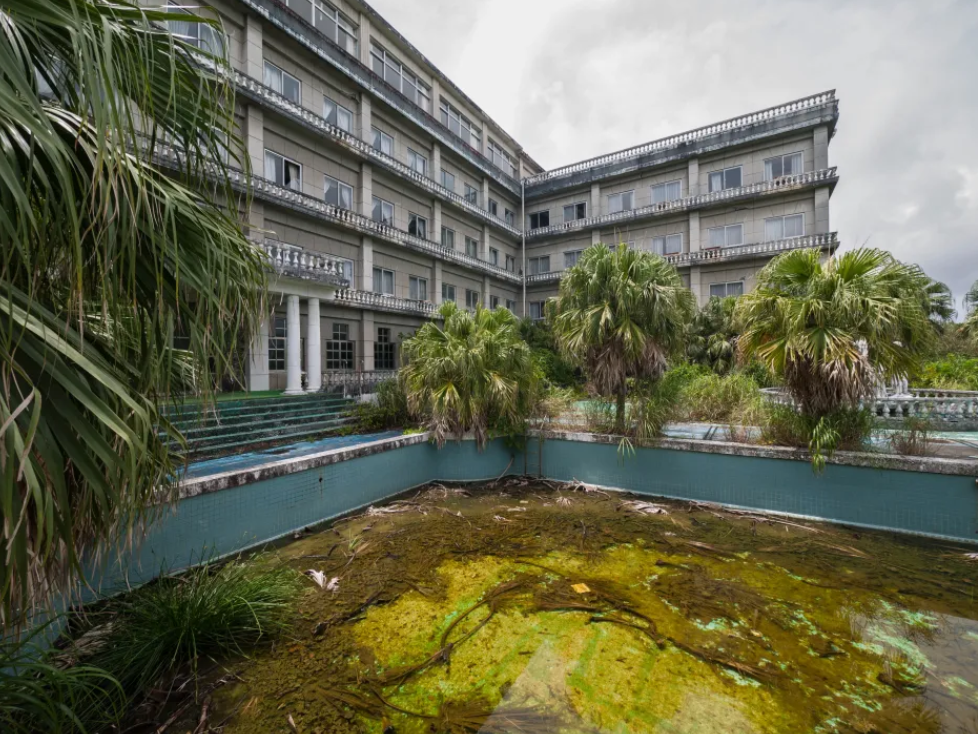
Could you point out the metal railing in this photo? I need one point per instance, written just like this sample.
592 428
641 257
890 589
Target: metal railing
776 186
771 113
297 262
384 302
257 91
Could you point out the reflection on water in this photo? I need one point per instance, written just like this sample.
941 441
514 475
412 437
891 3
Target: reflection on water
531 608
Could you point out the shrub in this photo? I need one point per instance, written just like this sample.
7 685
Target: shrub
953 372
845 429
719 399
389 411
911 439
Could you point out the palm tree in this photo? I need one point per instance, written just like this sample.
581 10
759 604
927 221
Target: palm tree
712 338
939 302
833 329
620 314
102 260
971 303
473 373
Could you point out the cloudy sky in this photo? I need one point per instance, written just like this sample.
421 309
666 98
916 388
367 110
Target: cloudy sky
570 79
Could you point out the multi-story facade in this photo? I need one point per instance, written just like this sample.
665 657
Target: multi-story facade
380 189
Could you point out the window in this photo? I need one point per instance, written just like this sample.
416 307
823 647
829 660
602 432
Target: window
383 211
205 37
669 191
276 345
339 349
540 219
448 180
418 162
573 212
668 245
447 292
536 310
337 193
783 165
283 83
571 258
384 281
460 125
417 225
494 256
539 265
448 238
729 178
283 171
511 305
494 302
382 141
418 288
335 26
337 115
500 159
471 195
471 247
493 208
384 350
511 263
779 228
728 236
622 202
471 299
393 72
722 290
510 217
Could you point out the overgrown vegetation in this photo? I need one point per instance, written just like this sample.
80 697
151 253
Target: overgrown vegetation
845 429
388 410
557 371
711 339
953 372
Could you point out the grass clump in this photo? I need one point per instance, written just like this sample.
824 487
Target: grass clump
390 410
716 398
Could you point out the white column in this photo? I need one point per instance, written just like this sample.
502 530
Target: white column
366 190
821 142
366 118
253 53
314 347
437 279
365 40
485 291
436 162
694 232
293 347
435 233
255 124
365 281
595 201
484 255
693 178
485 194
696 284
596 238
368 335
258 359
822 225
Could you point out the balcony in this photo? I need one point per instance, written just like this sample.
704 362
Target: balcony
829 242
806 112
785 184
267 97
383 302
293 25
293 261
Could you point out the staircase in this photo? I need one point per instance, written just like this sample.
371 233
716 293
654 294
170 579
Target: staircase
236 426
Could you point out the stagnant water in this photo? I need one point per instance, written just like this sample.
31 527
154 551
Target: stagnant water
538 608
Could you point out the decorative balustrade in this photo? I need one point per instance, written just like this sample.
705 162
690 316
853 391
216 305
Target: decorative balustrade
300 29
736 123
383 302
297 262
934 406
356 381
259 92
778 185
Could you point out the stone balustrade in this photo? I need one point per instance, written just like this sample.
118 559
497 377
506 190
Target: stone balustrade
942 408
799 181
384 302
356 381
297 262
727 126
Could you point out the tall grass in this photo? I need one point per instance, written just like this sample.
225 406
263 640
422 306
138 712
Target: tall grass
713 398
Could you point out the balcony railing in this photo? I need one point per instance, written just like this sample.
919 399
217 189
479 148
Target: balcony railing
736 123
828 242
383 302
261 188
303 31
779 185
356 382
948 407
297 262
268 97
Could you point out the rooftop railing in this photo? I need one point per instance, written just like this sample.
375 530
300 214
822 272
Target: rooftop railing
778 185
384 302
735 123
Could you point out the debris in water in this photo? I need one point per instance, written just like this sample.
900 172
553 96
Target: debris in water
318 576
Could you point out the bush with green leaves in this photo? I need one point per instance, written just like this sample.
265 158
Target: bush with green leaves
845 429
389 410
712 336
717 398
953 372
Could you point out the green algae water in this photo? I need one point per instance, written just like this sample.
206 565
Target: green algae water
543 608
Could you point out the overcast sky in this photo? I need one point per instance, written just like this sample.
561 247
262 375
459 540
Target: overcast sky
571 79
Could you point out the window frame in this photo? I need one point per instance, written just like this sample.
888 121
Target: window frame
722 172
511 305
421 89
447 230
444 184
277 343
577 209
417 157
418 223
384 272
781 218
385 349
376 134
539 308
266 64
340 187
493 302
337 107
664 186
576 257
493 207
416 284
469 299
511 261
726 287
498 156
725 244
665 243
447 288
340 350
780 158
446 112
538 215
471 241
620 195
472 194
533 264
374 202
350 34
494 256
285 160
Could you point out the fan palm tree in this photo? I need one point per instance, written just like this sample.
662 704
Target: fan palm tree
971 303
472 373
620 314
102 260
832 329
939 302
712 338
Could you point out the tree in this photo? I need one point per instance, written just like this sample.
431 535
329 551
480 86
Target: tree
620 314
472 373
712 338
971 303
833 329
102 260
939 302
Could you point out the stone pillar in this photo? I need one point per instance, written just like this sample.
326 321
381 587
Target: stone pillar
366 117
314 347
365 266
596 238
694 232
366 190
435 99
595 201
255 130
368 334
293 347
253 53
821 148
693 182
435 233
437 280
484 248
485 291
822 225
255 221
485 194
696 284
364 40
436 162
258 358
